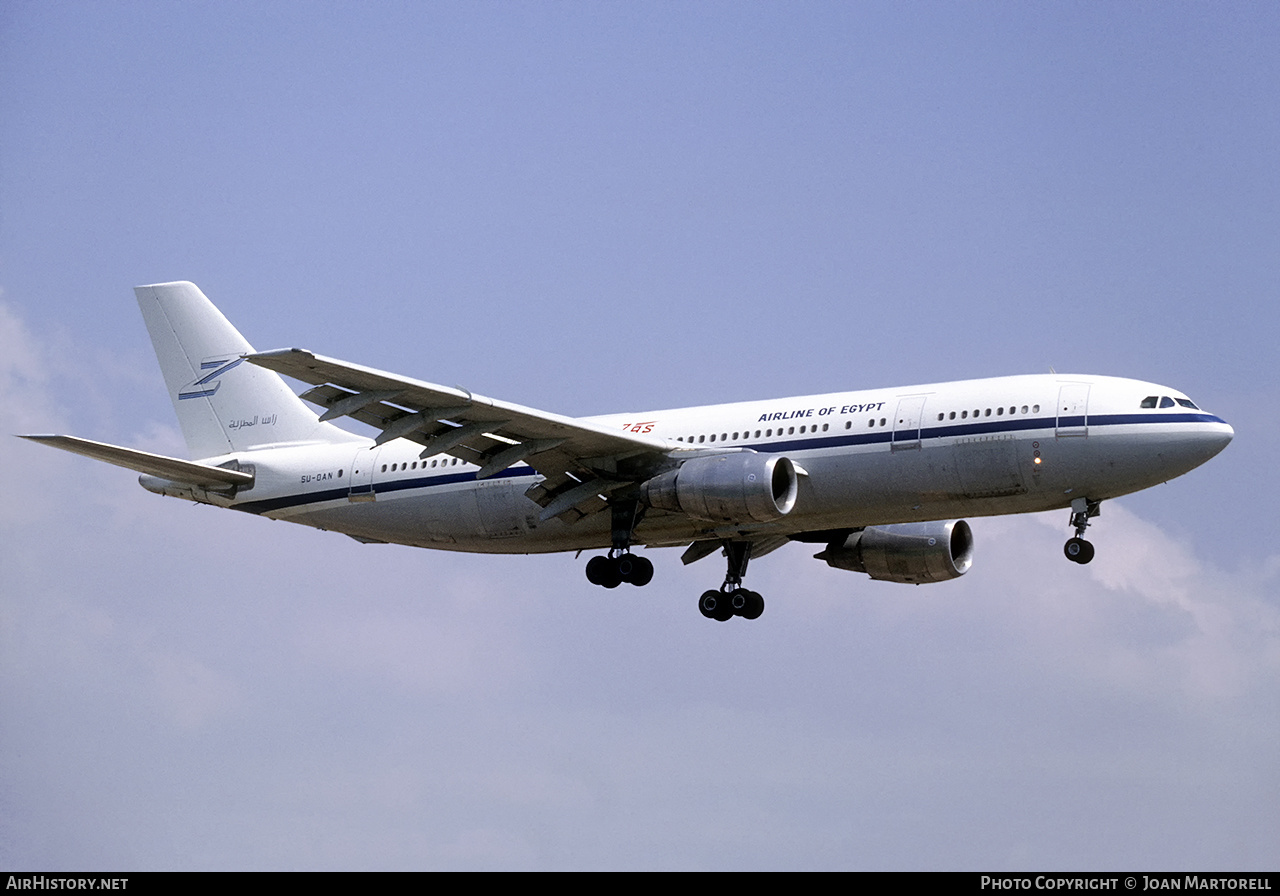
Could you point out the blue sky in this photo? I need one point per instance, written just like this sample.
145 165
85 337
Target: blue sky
596 208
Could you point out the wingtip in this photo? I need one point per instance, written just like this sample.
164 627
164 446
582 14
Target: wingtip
264 359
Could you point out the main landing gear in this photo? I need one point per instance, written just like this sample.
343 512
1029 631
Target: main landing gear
1077 549
615 568
732 599
620 565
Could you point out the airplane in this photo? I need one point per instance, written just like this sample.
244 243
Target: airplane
878 477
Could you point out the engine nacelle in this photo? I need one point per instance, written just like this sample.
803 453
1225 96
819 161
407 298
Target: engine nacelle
914 553
727 487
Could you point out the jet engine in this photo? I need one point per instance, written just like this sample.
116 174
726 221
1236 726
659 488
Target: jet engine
914 553
743 486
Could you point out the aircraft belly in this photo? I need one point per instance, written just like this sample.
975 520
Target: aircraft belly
441 518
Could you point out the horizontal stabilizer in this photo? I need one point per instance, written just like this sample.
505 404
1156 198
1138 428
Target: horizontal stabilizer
171 468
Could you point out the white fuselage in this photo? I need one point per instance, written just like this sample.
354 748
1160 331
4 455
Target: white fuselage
973 448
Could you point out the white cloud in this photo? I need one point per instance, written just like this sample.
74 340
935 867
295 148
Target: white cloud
23 372
1211 635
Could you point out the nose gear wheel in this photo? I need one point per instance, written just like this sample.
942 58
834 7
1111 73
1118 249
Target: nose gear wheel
1077 550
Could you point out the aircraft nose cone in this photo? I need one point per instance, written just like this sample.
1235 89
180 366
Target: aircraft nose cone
1214 437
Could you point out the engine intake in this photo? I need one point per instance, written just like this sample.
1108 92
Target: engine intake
914 553
727 487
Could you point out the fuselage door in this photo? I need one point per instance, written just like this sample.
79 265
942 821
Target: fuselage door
906 422
361 488
1073 409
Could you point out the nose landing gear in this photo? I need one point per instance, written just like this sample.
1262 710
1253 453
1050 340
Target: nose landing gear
1077 550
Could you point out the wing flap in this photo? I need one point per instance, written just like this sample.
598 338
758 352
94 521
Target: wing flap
760 546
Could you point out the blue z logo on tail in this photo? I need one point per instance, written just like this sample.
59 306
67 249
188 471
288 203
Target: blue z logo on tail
207 385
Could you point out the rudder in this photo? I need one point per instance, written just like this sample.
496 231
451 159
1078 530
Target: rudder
223 404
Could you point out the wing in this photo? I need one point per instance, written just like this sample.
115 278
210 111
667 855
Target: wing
760 546
582 462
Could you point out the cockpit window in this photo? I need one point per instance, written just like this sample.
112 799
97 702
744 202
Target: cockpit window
1188 403
1166 401
1149 401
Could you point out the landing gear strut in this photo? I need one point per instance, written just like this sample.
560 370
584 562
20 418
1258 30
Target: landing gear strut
620 565
732 599
1077 549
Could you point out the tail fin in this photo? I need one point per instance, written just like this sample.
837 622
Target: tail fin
223 404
